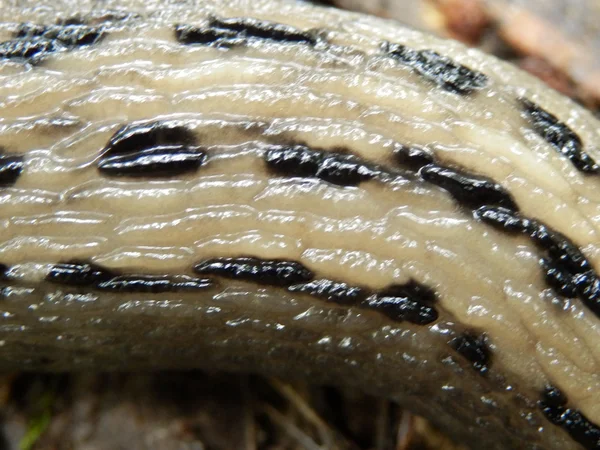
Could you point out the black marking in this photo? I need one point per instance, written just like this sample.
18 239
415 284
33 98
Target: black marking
261 29
79 273
165 161
29 49
579 427
566 268
331 291
502 218
469 190
238 31
473 348
68 35
189 34
3 271
412 302
11 167
413 157
560 136
333 167
446 73
559 279
153 284
267 272
33 42
144 136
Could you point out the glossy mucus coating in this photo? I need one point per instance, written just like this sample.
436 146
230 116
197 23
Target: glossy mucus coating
33 42
274 272
164 161
331 291
11 167
438 68
334 167
555 407
474 348
97 268
153 284
412 302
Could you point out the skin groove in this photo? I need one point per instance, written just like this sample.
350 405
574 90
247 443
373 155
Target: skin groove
271 187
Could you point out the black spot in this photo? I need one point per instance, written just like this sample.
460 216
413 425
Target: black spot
153 284
413 157
33 42
189 34
332 291
579 427
79 273
566 268
559 135
588 289
469 190
440 69
29 49
237 31
268 272
561 249
502 218
11 167
165 161
3 271
248 27
559 278
144 136
335 168
474 349
159 149
68 35
412 302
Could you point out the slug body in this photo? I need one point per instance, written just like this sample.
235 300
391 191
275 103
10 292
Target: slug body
278 188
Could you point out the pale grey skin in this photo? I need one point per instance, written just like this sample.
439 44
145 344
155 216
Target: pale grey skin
61 113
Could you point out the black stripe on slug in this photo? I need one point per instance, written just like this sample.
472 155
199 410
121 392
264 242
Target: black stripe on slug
143 136
413 158
33 42
70 35
333 167
11 167
560 279
439 69
262 29
413 302
267 272
164 161
554 406
566 268
560 136
332 291
28 49
474 348
468 189
79 273
3 271
189 34
153 284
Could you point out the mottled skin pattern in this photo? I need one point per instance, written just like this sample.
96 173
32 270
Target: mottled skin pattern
321 195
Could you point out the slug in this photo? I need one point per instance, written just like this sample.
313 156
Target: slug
280 188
